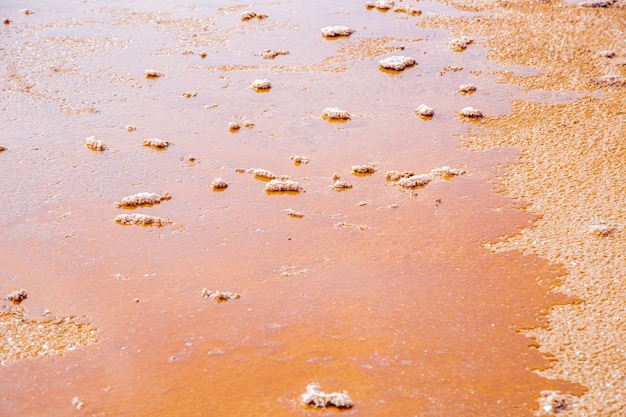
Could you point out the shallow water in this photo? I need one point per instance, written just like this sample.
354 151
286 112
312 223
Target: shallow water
400 305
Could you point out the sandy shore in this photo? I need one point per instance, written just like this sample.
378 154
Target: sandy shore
572 173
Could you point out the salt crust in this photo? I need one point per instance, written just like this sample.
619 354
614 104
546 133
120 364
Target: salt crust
17 296
78 403
219 184
341 185
334 31
424 110
94 144
219 296
555 402
269 54
335 113
317 398
140 199
471 113
293 213
301 159
396 175
234 126
467 88
421 180
277 186
268 175
156 143
396 63
364 169
141 219
261 85
150 73
460 44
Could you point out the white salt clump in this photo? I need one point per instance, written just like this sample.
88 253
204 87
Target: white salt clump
396 175
156 143
264 173
261 85
282 186
471 113
396 63
219 296
300 159
421 180
17 296
141 219
460 44
446 171
596 3
317 398
555 402
76 402
189 94
269 54
335 113
364 169
130 128
414 181
408 9
467 88
334 31
94 144
341 185
607 54
150 73
336 177
247 15
602 227
219 184
424 110
384 4
293 213
142 199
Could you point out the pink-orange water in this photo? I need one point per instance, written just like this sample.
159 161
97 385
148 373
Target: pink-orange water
395 301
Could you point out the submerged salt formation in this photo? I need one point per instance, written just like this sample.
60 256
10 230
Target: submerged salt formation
219 296
414 181
300 159
396 63
260 85
341 185
408 9
276 186
141 219
219 184
269 54
364 169
17 296
265 174
334 31
94 144
318 398
467 88
150 73
141 199
421 180
335 113
471 113
293 213
156 143
460 44
424 110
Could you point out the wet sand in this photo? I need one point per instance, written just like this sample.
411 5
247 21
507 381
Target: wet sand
439 301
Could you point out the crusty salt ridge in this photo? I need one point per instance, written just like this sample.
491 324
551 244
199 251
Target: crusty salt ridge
396 63
421 180
17 296
264 173
384 4
293 213
334 31
446 172
471 113
300 159
94 144
414 181
261 85
335 113
219 184
141 219
140 199
156 143
341 185
396 175
277 186
219 296
424 110
467 88
150 73
317 398
364 169
269 54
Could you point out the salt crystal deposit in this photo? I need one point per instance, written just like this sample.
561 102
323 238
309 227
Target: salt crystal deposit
317 398
335 113
341 185
78 403
219 296
17 296
264 173
396 63
269 54
219 184
247 15
408 9
150 73
94 144
156 143
140 199
467 88
424 110
414 181
300 159
471 113
607 54
293 213
396 175
261 85
189 94
130 128
384 4
364 169
334 31
283 186
141 219
460 44
446 171
421 180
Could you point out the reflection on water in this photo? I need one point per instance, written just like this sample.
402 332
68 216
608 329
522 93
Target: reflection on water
387 295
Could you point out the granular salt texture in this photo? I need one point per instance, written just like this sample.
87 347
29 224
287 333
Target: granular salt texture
596 3
467 88
335 113
150 73
94 144
141 219
156 143
269 54
261 85
460 44
555 402
396 63
341 185
334 31
396 175
219 296
293 213
471 113
189 94
219 184
424 110
317 398
300 159
17 296
602 227
141 199
130 128
364 169
234 126
414 181
282 186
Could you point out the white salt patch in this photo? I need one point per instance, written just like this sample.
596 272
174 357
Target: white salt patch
94 144
293 213
219 183
471 112
141 219
219 296
610 80
446 171
300 159
335 113
421 180
607 54
460 44
17 296
396 63
341 185
364 169
424 110
140 199
334 31
317 398
261 85
384 4
282 186
264 173
414 181
156 143
396 175
269 54
467 88
76 402
602 227
150 73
